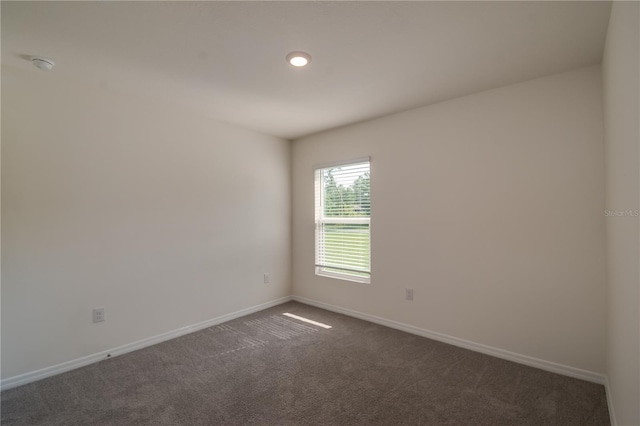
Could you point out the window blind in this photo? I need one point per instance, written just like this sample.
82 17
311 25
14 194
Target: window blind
343 220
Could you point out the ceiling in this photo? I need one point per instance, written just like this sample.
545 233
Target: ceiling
227 59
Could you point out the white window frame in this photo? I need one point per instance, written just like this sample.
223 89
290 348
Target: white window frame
320 219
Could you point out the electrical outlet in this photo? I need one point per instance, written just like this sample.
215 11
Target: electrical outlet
266 278
408 295
98 314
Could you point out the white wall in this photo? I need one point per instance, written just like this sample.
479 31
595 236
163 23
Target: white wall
490 207
163 217
622 138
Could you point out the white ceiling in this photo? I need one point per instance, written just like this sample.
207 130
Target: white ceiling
227 59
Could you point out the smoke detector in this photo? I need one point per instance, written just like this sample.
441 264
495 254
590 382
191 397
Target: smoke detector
43 63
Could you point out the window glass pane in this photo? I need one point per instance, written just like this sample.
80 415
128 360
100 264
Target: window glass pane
347 191
343 211
347 246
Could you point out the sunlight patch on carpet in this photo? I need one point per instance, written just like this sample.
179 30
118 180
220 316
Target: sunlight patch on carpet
319 324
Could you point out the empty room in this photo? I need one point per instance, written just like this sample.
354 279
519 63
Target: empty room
320 213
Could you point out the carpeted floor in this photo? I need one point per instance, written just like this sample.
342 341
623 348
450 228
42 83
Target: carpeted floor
270 369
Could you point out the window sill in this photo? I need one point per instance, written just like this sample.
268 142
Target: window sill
344 277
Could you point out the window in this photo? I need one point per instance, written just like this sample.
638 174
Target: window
343 215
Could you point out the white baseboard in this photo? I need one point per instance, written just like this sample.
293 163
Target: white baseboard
612 414
33 376
43 373
467 344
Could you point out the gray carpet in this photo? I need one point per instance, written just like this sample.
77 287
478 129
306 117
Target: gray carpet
268 369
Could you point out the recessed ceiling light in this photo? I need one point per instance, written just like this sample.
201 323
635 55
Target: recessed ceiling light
298 59
43 63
